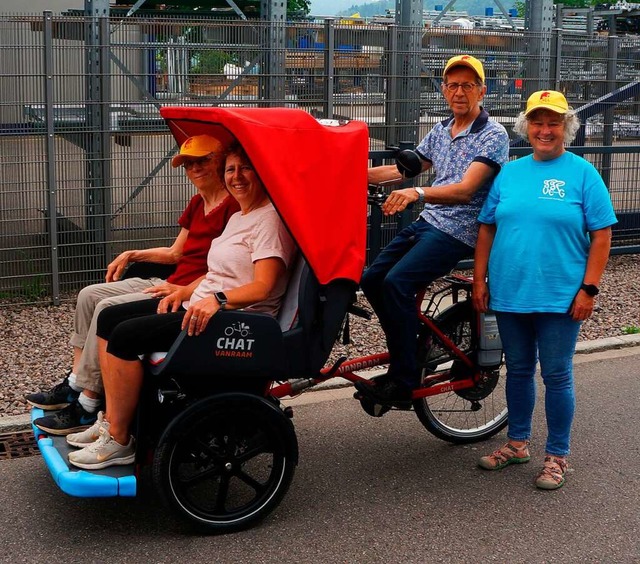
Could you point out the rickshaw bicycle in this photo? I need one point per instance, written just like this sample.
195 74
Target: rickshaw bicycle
221 447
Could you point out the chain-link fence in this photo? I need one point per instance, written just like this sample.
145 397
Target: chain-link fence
84 153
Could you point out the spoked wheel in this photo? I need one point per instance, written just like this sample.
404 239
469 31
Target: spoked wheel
469 415
226 462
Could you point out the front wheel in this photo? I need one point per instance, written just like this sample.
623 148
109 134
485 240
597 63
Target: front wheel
226 462
469 415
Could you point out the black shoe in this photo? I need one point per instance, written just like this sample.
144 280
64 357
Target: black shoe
71 419
386 390
364 387
58 397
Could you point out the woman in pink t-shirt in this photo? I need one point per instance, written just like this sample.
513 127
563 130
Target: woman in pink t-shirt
248 267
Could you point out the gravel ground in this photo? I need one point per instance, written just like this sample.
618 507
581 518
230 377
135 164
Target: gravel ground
35 353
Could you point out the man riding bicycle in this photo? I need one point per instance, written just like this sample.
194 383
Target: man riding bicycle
466 150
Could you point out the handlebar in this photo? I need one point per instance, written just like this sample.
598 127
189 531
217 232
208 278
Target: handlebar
375 196
409 165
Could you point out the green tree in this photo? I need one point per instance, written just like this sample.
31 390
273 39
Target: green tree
298 8
520 6
295 8
211 62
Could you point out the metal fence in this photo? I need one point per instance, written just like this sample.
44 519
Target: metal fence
84 154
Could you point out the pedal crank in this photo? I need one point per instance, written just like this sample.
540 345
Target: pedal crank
371 407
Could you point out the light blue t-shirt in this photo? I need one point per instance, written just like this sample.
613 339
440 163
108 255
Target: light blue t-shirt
543 211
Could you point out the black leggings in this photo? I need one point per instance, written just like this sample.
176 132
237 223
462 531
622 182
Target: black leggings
136 328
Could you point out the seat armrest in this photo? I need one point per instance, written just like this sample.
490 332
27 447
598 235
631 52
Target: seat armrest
234 344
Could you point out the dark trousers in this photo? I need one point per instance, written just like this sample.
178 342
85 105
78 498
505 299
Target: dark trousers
417 256
135 328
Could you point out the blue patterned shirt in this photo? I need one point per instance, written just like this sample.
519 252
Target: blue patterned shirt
484 141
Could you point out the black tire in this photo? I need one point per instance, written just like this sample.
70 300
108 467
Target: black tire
226 462
466 416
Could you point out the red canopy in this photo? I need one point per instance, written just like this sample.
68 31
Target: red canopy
315 174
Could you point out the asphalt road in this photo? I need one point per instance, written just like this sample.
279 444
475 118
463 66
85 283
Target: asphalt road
378 490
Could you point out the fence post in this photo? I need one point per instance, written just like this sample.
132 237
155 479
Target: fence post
557 59
274 15
607 134
409 16
329 64
52 188
391 100
98 136
538 22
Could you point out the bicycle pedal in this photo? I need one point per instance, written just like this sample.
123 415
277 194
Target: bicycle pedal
401 405
372 408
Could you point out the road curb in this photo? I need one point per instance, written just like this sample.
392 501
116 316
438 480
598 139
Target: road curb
19 423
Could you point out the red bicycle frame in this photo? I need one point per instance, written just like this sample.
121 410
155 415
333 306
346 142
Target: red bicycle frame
346 368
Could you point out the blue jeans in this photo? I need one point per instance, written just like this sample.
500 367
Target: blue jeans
552 337
417 256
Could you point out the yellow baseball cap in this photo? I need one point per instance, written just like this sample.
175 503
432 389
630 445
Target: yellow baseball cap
196 146
465 61
547 100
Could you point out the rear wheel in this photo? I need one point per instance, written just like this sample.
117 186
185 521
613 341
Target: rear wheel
469 415
226 462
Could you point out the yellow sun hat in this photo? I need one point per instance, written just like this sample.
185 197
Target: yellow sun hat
547 100
465 61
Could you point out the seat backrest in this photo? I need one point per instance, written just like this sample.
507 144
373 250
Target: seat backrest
318 319
288 314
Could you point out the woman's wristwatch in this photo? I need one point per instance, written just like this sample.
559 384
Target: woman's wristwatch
420 192
222 299
590 289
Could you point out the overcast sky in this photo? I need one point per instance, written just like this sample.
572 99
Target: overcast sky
331 7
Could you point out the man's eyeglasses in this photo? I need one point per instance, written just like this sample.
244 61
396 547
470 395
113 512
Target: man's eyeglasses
199 161
453 86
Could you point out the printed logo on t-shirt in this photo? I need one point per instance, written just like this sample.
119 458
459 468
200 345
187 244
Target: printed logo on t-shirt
553 190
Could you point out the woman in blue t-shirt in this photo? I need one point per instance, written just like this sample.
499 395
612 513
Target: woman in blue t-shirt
543 244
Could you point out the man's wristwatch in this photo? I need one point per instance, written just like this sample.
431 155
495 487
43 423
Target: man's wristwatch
420 192
590 289
222 299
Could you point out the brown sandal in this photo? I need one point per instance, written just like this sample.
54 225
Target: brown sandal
551 477
505 455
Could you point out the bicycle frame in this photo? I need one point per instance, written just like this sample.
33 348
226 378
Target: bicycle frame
346 368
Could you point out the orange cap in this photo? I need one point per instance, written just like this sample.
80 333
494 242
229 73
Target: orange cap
196 146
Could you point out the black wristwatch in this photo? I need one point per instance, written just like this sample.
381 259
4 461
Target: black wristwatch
590 289
222 299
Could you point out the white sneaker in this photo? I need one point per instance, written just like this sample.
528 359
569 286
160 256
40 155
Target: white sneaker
103 453
90 435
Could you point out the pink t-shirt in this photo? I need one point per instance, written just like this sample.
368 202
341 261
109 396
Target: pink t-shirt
260 234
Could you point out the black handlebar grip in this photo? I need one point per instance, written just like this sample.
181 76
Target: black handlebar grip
409 163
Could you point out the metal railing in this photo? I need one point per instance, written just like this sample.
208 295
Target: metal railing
84 153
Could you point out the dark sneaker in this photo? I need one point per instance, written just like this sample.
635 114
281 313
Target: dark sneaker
57 397
71 419
384 391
